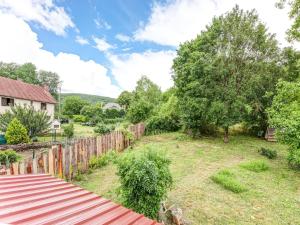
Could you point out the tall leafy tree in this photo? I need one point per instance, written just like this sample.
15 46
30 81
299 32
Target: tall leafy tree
125 99
51 80
72 105
28 73
220 73
294 14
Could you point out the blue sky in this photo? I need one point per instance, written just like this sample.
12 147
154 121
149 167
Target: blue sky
104 47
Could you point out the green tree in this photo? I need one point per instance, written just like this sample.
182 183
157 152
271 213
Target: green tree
139 111
72 105
145 179
284 115
147 90
294 14
51 80
93 113
28 73
220 72
36 122
125 99
16 133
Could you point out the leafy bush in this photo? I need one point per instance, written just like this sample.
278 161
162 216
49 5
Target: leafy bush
103 160
294 158
255 166
145 179
36 122
69 130
9 156
113 121
79 118
157 124
114 113
269 153
139 111
16 133
102 128
227 179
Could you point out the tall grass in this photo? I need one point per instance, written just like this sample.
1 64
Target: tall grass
227 180
255 166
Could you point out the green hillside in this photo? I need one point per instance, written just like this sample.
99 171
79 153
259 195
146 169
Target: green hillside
90 98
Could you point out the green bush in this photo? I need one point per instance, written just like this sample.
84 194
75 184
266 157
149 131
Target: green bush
102 128
16 133
255 166
145 178
294 158
103 160
36 122
227 179
9 156
160 123
79 118
269 153
69 130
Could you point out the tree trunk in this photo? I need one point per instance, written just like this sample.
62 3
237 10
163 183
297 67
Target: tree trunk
226 135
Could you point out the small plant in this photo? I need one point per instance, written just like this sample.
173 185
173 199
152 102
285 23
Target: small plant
269 153
145 179
255 166
102 128
8 157
103 160
294 158
227 179
16 133
69 130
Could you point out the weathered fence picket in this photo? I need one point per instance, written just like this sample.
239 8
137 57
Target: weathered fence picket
65 161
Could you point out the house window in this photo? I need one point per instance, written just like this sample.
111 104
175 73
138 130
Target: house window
7 101
43 106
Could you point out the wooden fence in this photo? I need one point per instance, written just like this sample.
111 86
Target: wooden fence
65 161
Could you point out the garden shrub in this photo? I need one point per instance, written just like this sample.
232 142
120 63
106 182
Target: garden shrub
69 130
102 128
8 157
160 123
269 153
255 166
227 179
103 160
79 118
145 178
16 133
294 158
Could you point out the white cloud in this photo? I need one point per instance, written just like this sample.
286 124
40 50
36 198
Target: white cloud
177 21
100 23
127 69
43 12
123 37
82 40
101 44
18 43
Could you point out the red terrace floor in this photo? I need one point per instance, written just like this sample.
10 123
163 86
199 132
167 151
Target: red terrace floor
42 199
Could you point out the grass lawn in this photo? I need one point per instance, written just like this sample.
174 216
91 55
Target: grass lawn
271 195
79 131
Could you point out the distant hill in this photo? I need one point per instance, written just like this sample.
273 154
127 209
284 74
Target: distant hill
90 98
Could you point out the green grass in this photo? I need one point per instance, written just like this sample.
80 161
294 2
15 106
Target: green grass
273 196
228 181
255 166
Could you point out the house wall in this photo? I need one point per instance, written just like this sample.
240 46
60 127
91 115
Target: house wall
36 105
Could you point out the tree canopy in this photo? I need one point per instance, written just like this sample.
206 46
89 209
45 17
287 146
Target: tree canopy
221 73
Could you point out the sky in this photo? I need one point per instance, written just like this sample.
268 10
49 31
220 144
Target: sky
104 47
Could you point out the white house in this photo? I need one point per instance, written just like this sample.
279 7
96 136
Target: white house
16 92
112 105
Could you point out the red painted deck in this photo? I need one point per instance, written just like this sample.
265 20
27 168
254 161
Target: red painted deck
42 199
